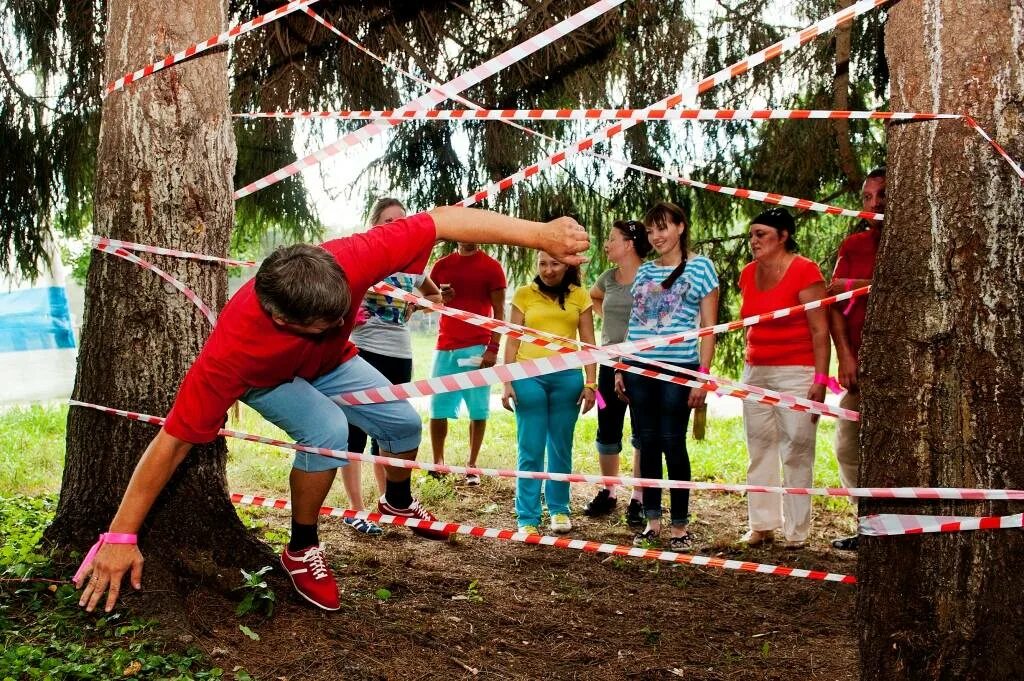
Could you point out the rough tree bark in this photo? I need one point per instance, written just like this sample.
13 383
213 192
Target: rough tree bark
165 163
841 102
943 356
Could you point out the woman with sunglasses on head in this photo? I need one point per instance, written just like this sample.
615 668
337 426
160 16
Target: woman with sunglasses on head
384 341
626 247
790 355
669 295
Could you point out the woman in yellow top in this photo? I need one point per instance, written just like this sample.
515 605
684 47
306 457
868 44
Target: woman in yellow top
547 406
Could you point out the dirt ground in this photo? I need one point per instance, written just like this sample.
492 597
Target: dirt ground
481 608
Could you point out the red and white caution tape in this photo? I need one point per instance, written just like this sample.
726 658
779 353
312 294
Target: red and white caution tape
999 149
458 84
603 114
526 369
888 524
559 542
173 252
563 345
185 290
792 42
196 48
970 494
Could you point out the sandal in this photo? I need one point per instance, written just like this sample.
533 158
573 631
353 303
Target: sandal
472 480
684 543
362 526
646 539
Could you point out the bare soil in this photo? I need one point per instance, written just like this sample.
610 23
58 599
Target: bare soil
481 608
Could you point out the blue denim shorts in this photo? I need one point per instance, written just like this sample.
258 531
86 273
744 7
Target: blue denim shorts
308 412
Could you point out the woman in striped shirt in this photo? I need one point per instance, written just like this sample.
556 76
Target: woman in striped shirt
669 295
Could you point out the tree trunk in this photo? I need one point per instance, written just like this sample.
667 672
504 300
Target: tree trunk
943 355
165 163
841 102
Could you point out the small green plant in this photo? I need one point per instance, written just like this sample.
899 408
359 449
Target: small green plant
651 636
473 592
259 597
433 491
382 593
249 632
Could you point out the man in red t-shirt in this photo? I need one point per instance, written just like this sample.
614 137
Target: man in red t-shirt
473 281
855 265
282 345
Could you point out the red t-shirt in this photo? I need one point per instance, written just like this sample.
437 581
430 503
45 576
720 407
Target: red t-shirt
473 277
786 341
856 260
248 350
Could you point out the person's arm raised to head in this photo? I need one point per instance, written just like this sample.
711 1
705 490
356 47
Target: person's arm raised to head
161 458
562 238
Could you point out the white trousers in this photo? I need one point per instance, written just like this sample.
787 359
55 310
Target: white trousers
781 445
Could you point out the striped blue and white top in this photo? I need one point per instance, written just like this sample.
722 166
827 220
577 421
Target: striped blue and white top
660 312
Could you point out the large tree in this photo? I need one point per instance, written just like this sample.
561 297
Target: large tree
942 387
165 163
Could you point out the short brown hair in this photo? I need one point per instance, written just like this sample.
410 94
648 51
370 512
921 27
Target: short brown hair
303 284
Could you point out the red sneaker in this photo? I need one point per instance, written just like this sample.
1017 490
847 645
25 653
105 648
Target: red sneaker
311 577
416 512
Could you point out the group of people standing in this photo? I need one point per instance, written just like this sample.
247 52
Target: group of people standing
678 290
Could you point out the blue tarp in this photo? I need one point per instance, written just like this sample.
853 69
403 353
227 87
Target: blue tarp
35 319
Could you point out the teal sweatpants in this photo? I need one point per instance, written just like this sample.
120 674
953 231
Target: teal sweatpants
546 413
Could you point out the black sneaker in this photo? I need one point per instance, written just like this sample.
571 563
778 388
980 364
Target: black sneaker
635 514
646 540
681 544
602 504
846 543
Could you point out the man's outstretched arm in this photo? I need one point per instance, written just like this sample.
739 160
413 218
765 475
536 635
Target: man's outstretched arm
562 238
163 455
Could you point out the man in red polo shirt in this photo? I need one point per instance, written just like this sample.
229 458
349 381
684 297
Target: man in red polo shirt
855 265
282 346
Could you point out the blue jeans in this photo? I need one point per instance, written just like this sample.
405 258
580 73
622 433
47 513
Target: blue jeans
661 414
307 412
546 413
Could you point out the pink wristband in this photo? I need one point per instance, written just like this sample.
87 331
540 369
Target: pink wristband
105 538
704 370
829 382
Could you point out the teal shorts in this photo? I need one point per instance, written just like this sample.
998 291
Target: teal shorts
478 400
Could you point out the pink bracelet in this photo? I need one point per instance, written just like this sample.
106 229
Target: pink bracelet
704 370
105 538
829 382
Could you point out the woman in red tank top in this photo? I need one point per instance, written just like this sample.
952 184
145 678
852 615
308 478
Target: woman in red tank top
789 355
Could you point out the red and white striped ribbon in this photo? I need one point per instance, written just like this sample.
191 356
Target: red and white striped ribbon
196 48
792 42
999 149
159 250
560 362
563 345
603 114
888 524
558 542
738 390
185 290
970 494
458 84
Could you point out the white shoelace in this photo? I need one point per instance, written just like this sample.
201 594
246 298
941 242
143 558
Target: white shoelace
314 558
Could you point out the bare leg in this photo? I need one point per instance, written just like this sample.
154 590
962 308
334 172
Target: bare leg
352 477
308 493
476 439
380 474
609 467
438 434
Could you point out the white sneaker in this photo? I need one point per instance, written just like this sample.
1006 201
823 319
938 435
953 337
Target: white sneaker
560 523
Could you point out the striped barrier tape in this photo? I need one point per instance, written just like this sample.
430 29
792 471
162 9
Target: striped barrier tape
159 250
741 391
792 42
185 290
196 48
603 114
558 542
550 341
999 149
970 494
458 84
560 362
889 524
765 197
